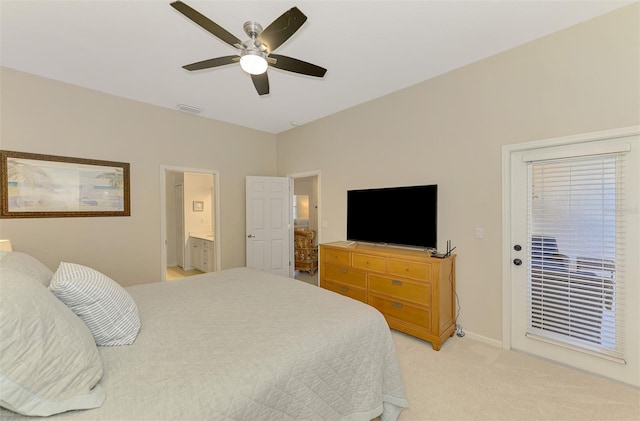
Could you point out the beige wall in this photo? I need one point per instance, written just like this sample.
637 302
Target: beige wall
198 187
450 131
44 116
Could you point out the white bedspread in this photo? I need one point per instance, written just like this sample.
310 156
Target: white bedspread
246 345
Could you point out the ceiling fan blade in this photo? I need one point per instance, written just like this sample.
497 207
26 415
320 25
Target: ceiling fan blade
261 82
282 28
297 66
206 23
213 62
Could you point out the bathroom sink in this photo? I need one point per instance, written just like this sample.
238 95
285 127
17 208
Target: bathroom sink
203 236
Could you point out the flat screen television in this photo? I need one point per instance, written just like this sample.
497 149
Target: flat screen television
406 216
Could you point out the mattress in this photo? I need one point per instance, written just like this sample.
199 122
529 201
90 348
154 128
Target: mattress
240 344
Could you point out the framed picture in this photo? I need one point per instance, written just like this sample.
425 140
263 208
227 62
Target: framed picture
48 186
198 206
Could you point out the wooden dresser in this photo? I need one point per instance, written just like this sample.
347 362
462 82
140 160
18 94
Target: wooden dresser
414 291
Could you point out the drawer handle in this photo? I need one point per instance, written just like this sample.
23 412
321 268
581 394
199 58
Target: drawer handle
396 282
343 270
344 289
396 304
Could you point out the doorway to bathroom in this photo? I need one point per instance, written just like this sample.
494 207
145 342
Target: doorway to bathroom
189 222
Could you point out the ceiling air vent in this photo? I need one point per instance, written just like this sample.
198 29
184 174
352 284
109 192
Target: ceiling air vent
189 109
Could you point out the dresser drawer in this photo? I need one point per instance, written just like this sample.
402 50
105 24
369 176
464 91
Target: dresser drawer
346 290
402 311
368 262
335 257
399 288
345 275
414 270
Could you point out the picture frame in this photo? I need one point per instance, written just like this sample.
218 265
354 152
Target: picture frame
198 206
49 186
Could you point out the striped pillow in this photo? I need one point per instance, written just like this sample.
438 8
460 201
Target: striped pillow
106 308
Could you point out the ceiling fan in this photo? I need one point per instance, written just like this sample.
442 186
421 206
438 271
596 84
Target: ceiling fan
256 54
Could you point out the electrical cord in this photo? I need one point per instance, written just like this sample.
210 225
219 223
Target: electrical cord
459 332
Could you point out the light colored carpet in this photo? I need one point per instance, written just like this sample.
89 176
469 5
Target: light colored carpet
176 272
471 380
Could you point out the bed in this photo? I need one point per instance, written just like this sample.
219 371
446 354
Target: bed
237 344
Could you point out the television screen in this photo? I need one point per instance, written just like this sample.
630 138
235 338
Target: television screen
395 215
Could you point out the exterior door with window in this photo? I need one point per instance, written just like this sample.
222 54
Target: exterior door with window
574 252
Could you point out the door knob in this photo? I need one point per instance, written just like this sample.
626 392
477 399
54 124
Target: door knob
517 247
517 262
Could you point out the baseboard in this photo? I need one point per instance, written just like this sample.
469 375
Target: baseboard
483 339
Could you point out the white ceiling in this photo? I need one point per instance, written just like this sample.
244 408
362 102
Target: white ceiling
135 49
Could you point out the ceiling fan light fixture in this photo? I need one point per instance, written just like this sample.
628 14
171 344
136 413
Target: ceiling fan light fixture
253 62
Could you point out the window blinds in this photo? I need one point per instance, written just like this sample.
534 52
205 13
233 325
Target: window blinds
576 249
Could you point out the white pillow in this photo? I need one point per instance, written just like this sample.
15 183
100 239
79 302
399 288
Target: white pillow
26 264
49 362
106 308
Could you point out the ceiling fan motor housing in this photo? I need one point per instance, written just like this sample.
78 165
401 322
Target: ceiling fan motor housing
253 29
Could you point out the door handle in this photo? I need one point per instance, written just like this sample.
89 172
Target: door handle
517 262
251 236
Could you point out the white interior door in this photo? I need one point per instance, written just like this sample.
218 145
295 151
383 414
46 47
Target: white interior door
179 222
522 271
268 224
